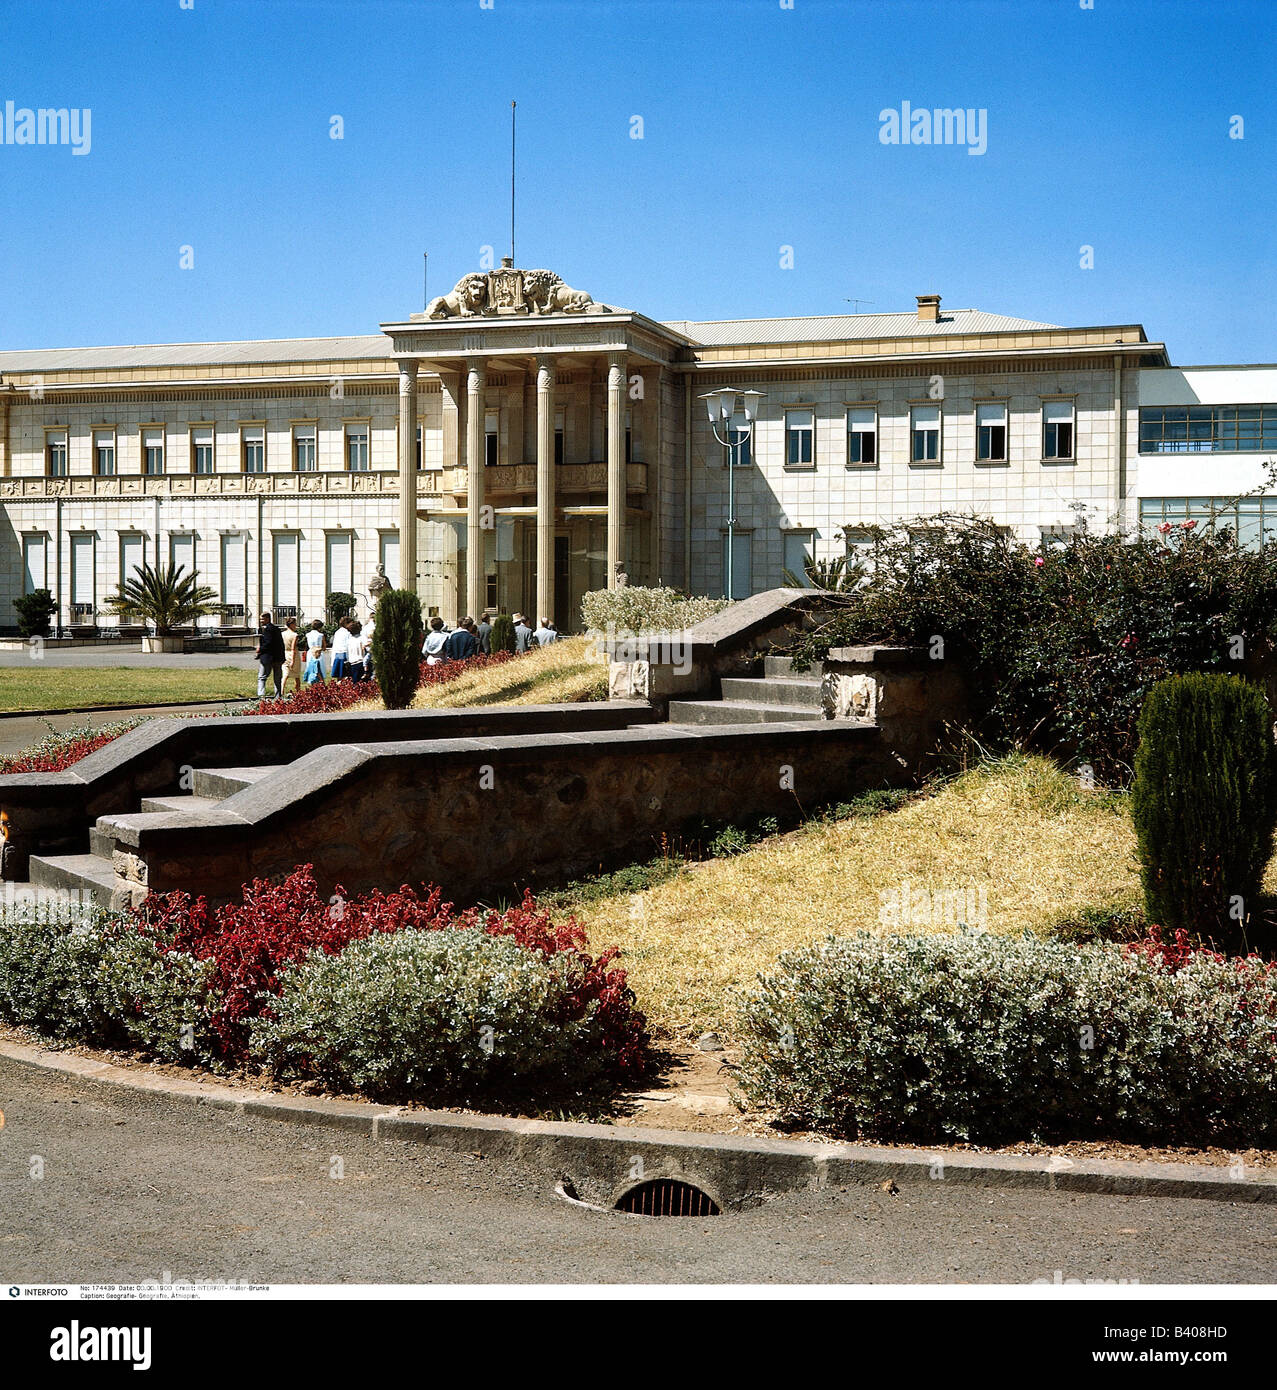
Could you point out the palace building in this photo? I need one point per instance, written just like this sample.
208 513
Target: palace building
519 444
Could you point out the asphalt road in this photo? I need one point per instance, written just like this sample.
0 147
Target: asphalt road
134 1186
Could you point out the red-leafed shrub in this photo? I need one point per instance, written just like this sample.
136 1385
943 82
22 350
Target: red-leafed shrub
278 924
59 751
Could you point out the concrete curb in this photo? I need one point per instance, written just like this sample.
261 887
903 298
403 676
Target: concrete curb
600 1162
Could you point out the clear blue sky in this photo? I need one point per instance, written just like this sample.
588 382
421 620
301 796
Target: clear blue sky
210 128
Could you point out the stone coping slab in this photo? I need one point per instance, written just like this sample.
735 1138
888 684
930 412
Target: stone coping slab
599 1159
726 631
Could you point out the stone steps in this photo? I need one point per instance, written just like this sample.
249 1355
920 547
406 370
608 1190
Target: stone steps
93 874
741 712
772 690
217 783
782 667
87 875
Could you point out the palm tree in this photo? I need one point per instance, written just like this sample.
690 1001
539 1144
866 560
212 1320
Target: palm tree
841 575
167 597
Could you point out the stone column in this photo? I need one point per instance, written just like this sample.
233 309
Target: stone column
545 490
475 535
615 466
408 475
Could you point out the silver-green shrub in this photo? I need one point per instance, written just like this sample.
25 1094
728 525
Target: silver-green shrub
633 609
993 1039
76 973
446 1016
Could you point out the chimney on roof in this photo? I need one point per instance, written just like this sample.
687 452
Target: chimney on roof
928 308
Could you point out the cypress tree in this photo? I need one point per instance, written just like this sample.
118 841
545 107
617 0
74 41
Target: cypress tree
501 638
396 646
1204 802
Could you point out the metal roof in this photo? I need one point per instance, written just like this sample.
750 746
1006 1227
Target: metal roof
372 345
376 346
842 327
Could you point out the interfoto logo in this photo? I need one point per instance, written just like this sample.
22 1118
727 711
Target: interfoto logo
941 125
48 125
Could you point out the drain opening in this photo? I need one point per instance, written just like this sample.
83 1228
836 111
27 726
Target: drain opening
668 1197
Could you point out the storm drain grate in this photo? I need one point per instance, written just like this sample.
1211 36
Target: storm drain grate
668 1197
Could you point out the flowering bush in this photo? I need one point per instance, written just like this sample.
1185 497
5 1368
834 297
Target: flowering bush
633 609
996 1039
1061 646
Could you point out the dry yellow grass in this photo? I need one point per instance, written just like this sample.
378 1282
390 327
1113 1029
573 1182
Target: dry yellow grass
563 672
1021 830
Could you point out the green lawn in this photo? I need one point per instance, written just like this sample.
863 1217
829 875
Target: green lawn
72 687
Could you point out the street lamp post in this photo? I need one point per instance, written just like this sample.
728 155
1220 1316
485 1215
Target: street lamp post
722 406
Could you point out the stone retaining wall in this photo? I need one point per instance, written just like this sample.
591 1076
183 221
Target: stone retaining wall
483 817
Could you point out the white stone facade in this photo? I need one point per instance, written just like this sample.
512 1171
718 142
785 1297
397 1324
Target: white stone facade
638 482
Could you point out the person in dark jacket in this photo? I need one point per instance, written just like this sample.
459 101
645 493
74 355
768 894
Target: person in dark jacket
483 631
462 642
270 657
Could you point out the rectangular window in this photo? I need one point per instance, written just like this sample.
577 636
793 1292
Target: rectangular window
862 437
560 418
629 436
799 548
83 590
234 577
925 434
991 433
740 446
1057 430
285 553
860 543
1208 429
55 453
742 582
491 438
104 453
202 460
390 557
35 563
132 553
357 449
253 442
181 549
305 448
420 450
153 452
340 568
800 438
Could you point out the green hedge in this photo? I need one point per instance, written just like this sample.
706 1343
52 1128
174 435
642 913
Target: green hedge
992 1039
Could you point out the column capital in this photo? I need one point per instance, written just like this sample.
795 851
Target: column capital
407 373
476 373
546 373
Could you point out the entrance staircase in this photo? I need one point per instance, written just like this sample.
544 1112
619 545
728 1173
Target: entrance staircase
94 875
780 695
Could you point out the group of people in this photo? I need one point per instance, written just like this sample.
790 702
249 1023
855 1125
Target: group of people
469 638
283 659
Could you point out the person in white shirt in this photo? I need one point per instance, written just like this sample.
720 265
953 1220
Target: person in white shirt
545 634
436 640
341 650
315 644
356 653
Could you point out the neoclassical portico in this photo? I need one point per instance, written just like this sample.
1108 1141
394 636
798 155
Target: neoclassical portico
574 389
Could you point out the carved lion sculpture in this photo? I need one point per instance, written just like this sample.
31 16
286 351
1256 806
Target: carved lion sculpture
545 293
469 297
